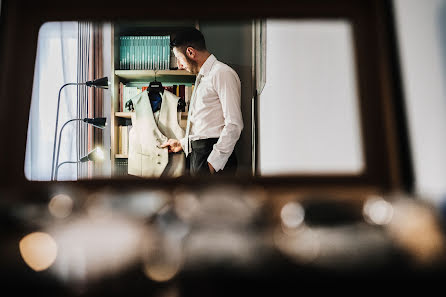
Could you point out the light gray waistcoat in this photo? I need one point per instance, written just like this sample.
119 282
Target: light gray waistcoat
145 158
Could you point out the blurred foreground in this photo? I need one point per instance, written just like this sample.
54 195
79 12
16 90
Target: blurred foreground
218 240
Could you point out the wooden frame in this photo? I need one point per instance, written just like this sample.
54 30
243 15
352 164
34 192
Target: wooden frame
386 158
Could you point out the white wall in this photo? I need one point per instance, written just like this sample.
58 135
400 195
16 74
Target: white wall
308 110
421 30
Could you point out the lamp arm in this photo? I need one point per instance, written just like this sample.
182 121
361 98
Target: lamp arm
60 137
57 121
57 168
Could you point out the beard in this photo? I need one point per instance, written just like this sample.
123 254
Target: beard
192 65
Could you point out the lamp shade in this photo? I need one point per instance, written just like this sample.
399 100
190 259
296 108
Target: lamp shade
96 122
95 155
98 83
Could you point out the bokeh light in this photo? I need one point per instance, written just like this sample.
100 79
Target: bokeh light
292 215
61 206
377 211
38 250
164 262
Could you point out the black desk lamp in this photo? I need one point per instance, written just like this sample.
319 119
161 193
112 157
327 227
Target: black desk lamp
101 83
95 155
95 122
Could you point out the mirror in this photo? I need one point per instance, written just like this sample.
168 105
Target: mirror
302 72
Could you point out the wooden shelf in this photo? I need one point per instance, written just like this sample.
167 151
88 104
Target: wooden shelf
162 75
119 156
127 115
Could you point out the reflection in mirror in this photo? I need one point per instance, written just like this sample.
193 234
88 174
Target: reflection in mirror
131 76
149 85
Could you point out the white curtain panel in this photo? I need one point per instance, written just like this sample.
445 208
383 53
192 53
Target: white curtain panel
56 65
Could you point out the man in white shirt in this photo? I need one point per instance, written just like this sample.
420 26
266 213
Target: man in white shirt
215 118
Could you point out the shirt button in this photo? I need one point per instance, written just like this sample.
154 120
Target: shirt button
159 162
159 155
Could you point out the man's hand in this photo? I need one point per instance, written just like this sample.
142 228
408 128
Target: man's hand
211 168
173 145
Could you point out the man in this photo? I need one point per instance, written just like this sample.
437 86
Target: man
215 118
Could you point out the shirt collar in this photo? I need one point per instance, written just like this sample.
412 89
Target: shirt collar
207 65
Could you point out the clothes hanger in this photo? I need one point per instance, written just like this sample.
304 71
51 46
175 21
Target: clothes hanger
155 87
155 90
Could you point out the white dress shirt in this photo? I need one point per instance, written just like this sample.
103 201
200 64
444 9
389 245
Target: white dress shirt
216 110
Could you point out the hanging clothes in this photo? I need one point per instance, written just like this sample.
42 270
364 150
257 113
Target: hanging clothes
150 130
155 101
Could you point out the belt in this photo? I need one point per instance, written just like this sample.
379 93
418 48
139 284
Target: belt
202 143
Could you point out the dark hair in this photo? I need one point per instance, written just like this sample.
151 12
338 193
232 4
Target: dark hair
189 37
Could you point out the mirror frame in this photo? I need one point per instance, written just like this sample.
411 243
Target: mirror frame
387 151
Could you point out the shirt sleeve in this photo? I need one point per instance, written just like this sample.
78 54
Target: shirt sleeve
228 87
183 142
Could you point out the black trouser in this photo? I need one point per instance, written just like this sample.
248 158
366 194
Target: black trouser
198 158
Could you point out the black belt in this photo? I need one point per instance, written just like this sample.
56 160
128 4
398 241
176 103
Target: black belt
203 143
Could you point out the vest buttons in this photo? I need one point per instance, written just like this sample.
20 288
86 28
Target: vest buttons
159 163
159 155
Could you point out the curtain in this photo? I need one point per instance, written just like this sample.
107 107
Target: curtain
83 47
56 64
90 100
67 52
